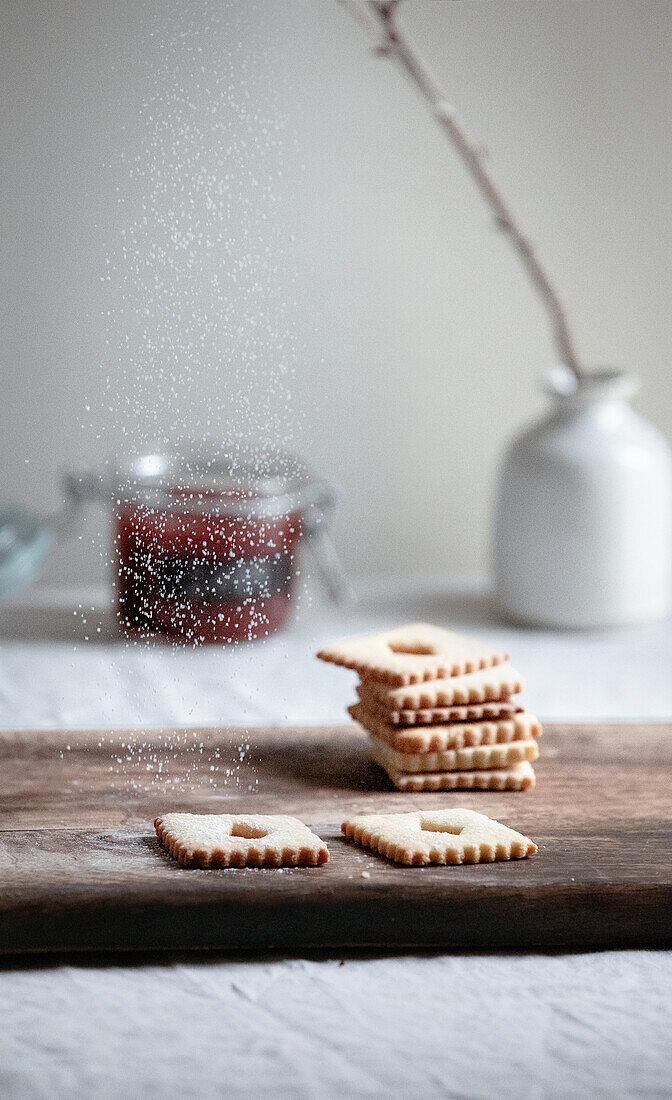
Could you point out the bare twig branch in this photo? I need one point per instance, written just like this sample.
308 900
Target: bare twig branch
380 15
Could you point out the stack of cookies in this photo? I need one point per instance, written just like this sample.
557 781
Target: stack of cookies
439 710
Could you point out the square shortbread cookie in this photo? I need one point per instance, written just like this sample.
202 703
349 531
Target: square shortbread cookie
474 758
519 777
414 653
235 840
456 735
488 685
438 836
427 716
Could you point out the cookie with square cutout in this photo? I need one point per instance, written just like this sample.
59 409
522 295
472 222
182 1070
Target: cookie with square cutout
412 654
238 840
438 837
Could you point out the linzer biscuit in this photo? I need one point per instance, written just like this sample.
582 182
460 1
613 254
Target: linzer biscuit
496 684
519 777
412 654
234 840
476 758
456 735
439 836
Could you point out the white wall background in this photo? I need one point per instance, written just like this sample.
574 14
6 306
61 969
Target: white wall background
368 264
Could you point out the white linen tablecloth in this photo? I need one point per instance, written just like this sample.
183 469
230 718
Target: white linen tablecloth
411 1025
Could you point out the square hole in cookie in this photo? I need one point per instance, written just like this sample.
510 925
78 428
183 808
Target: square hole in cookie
415 648
432 827
248 832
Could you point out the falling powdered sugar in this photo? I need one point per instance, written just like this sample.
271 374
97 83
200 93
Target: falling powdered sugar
200 350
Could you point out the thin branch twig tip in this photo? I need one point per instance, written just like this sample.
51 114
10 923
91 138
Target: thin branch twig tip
395 43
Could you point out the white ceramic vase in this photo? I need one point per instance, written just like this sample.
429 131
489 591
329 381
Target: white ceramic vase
583 515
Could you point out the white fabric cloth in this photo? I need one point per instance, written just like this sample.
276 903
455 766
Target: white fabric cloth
102 682
581 1026
423 1025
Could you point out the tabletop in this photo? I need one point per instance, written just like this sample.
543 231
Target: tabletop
415 1024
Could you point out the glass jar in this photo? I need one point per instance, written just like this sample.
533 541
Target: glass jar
206 546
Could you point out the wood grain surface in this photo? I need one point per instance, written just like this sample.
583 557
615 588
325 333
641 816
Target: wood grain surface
81 868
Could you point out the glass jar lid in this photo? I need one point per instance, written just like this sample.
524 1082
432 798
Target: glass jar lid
237 482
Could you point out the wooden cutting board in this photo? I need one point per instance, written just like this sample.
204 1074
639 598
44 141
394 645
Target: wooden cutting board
80 866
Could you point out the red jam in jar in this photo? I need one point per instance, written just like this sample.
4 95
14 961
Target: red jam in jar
207 548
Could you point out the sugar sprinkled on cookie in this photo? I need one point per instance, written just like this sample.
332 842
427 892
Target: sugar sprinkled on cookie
438 836
240 840
413 653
